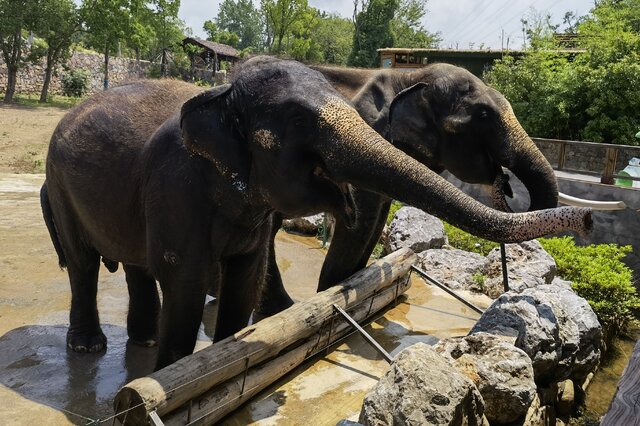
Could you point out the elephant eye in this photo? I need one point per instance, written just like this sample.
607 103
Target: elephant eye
482 114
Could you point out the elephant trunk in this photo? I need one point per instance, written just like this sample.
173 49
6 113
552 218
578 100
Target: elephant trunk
360 156
520 155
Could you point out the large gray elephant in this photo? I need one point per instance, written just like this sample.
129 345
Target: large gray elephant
191 199
444 117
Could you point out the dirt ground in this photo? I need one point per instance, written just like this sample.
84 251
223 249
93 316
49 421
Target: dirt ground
24 137
41 382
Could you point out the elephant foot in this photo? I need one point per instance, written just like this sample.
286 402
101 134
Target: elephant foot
86 342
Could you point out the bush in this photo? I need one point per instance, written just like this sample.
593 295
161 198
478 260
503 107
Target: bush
462 240
598 275
395 206
75 83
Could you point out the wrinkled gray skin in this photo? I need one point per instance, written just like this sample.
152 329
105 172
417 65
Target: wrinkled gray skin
186 196
444 117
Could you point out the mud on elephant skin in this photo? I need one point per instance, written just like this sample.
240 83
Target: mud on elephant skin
444 117
194 202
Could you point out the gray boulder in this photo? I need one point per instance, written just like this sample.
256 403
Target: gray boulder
422 388
502 373
309 225
455 268
528 265
579 331
534 325
415 229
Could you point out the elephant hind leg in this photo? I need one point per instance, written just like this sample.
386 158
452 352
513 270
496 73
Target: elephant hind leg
144 306
84 334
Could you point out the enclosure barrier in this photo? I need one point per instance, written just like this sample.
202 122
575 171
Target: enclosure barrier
205 386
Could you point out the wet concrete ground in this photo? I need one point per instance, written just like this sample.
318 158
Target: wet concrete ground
41 382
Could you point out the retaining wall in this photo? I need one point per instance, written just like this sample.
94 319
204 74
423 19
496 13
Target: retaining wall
31 78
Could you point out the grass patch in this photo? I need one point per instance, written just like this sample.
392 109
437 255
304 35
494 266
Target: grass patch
462 240
55 101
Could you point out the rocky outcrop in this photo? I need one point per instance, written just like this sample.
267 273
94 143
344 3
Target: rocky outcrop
457 269
415 229
528 265
422 388
309 225
502 373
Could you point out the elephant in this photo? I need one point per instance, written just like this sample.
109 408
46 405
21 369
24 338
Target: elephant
444 117
187 196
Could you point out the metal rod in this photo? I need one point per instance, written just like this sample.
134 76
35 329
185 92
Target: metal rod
437 283
364 334
154 419
505 273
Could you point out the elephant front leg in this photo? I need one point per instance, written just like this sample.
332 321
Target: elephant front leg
241 281
180 317
350 249
273 296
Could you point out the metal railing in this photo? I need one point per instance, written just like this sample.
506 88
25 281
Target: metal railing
614 158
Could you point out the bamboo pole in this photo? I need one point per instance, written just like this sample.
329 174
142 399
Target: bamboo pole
216 403
169 388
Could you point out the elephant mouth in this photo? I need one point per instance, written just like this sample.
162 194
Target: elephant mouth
347 210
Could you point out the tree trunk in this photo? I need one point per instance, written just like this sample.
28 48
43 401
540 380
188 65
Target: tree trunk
47 77
12 72
163 63
106 67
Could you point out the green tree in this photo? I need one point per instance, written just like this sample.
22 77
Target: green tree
592 95
242 18
58 22
280 17
407 28
168 30
16 18
107 23
372 31
219 35
333 38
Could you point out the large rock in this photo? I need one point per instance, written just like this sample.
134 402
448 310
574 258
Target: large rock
309 225
579 331
422 388
528 265
455 268
415 229
534 325
502 373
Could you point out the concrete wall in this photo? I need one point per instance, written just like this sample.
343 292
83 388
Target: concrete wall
620 227
31 78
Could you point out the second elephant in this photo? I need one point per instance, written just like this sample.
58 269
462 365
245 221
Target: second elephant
444 117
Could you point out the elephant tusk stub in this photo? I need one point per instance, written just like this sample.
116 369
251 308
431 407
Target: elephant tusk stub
595 205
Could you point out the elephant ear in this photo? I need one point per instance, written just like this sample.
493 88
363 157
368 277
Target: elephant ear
211 130
411 118
372 102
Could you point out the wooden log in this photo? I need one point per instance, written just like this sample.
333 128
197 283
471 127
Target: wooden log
169 388
216 403
624 407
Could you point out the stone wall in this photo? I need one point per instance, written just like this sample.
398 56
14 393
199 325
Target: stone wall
585 157
31 78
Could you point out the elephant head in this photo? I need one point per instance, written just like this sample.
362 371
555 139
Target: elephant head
447 118
285 139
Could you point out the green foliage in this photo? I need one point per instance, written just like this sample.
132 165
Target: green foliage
395 206
243 19
75 83
373 31
219 35
407 28
594 95
479 278
333 39
54 101
599 275
462 240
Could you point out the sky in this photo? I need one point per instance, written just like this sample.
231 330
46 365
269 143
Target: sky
460 22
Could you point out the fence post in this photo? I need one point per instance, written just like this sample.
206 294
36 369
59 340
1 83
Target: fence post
611 157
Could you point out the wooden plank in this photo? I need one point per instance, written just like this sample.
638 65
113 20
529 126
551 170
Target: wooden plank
169 388
214 404
625 407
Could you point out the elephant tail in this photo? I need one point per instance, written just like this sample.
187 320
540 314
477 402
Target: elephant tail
48 220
